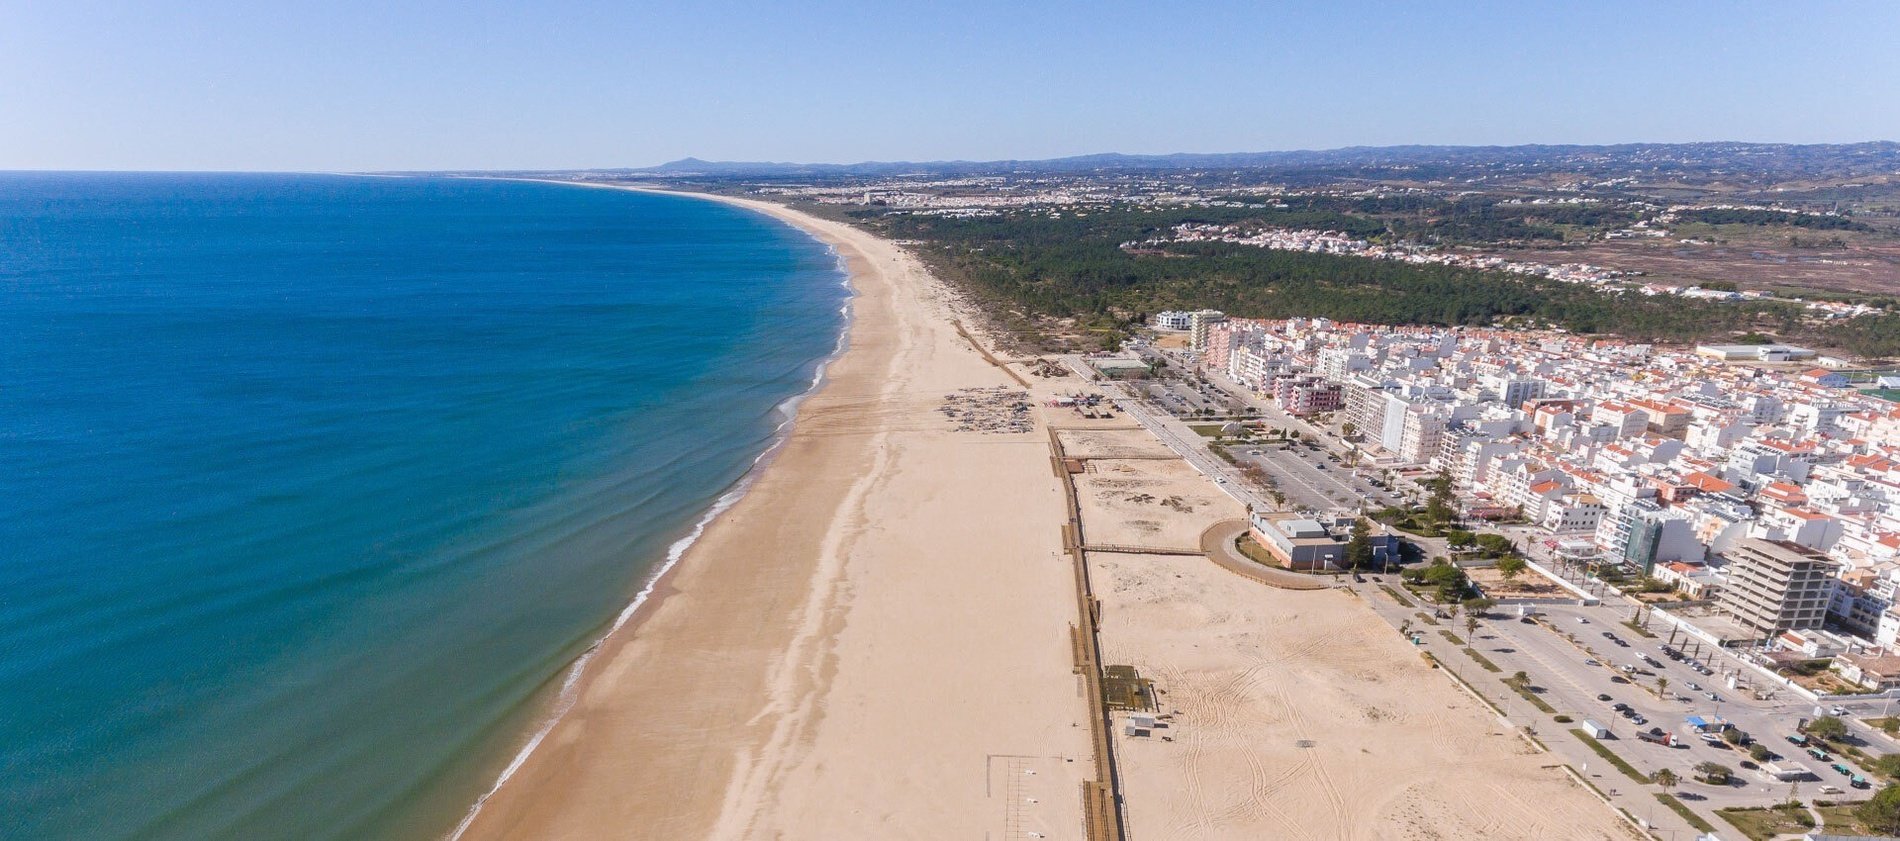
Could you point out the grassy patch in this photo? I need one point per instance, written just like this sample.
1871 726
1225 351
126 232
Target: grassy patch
1526 693
1839 819
1426 618
1859 756
1875 723
1609 756
1483 660
1640 630
1762 824
1395 595
1687 814
1206 430
1450 637
1256 553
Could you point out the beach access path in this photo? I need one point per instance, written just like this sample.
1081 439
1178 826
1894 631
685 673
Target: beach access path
874 642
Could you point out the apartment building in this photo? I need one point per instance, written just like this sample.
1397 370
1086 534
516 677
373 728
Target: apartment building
1774 586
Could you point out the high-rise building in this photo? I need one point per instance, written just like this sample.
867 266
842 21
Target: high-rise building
1775 586
1200 322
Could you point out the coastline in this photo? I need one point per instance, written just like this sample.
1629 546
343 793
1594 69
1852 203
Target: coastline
655 587
709 716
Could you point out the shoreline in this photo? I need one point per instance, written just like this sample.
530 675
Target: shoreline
656 588
772 684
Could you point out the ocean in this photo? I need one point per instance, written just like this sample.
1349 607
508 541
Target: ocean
313 487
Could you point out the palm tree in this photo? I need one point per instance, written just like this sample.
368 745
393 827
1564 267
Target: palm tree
1471 627
1662 686
1666 779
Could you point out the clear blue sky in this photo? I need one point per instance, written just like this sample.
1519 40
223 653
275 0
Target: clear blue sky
424 85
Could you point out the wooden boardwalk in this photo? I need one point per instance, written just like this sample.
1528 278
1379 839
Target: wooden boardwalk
1120 549
1102 817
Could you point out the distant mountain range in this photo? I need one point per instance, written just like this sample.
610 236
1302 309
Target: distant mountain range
1879 156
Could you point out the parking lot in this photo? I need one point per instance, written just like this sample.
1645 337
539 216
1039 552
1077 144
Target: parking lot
1182 399
1314 478
1572 655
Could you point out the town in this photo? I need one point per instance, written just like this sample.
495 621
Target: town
1687 556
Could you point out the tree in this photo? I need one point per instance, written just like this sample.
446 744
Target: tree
1886 766
1759 752
1666 779
1713 773
1827 728
1518 681
1480 605
1459 537
1471 625
1734 736
1495 544
1512 566
1662 686
1359 547
1348 429
1438 506
1882 812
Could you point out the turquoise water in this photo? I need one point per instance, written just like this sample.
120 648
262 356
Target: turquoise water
312 487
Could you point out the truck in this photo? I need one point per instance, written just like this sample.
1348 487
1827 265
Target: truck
1597 731
1656 736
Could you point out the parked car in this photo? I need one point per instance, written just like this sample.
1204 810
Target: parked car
1693 686
1841 770
1603 696
1583 621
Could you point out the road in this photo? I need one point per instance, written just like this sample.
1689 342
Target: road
1175 433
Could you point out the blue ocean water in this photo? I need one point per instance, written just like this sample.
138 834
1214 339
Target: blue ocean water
311 487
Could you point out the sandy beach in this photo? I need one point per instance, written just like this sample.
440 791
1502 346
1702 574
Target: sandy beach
873 642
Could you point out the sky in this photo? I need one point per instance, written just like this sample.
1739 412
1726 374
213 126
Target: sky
360 86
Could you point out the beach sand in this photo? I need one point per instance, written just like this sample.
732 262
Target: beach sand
1302 715
873 642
